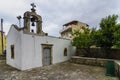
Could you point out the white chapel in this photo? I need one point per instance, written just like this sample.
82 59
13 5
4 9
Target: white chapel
27 49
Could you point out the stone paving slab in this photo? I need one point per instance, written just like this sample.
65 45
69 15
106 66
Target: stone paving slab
60 71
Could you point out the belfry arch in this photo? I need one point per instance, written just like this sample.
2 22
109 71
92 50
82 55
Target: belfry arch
33 17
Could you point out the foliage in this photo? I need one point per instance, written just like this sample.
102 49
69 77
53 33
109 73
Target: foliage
117 36
97 38
83 39
106 36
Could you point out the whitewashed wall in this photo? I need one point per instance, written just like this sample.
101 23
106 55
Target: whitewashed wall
32 50
28 49
14 38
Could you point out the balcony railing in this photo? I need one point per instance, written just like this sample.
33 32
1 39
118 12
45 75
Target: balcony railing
65 29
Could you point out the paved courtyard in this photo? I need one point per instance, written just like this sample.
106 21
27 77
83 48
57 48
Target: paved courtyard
60 71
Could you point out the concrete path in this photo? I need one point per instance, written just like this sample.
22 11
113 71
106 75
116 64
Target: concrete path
60 71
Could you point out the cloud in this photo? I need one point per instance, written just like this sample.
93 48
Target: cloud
13 8
6 27
55 13
52 28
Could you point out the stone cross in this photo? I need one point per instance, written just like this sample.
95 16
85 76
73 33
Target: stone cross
33 5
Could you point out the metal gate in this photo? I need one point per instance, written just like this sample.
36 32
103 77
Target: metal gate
46 56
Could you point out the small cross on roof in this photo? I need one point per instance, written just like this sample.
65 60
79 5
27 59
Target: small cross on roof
33 5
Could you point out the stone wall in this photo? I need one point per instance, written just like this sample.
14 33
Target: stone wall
90 61
96 62
100 53
117 68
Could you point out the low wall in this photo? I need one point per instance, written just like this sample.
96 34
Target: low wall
90 61
117 68
96 62
98 52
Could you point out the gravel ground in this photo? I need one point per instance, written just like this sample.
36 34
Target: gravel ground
60 71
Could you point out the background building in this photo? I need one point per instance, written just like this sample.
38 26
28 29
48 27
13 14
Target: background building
4 42
70 27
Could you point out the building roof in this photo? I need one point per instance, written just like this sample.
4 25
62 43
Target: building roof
74 22
2 31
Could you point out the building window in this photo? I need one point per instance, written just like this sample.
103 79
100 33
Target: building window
65 52
12 52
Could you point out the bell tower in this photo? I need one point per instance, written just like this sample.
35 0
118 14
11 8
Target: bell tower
32 19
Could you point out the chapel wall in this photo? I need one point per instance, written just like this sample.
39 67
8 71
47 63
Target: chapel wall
14 39
32 49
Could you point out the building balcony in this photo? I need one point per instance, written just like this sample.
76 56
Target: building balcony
65 29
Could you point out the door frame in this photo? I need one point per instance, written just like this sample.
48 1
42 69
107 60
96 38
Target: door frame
49 46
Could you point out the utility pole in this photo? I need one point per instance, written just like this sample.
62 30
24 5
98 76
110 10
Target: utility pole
2 35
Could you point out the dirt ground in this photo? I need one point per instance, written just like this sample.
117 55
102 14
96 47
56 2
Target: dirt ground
60 71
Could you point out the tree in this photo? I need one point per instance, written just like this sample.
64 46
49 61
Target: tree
106 37
83 39
106 32
117 36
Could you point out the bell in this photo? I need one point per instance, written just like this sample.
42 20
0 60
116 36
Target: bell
33 20
33 24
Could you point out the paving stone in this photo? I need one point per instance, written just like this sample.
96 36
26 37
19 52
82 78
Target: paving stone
60 71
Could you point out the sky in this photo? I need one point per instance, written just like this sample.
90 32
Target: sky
55 13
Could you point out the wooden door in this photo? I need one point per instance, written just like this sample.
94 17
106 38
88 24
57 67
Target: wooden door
46 56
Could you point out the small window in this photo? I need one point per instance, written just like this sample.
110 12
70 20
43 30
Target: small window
65 52
32 31
12 52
